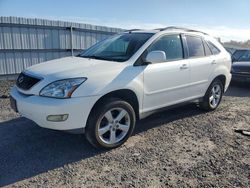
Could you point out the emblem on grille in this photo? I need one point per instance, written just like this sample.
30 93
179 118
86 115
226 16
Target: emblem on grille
20 80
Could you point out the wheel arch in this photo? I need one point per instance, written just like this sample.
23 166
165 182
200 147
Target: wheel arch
222 78
124 94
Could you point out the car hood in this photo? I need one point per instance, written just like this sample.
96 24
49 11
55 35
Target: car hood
241 67
71 67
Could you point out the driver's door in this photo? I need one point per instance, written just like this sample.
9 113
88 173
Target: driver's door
166 83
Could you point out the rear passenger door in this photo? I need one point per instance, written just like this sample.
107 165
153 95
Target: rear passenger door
201 63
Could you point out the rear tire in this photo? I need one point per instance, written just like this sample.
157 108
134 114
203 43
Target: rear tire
110 123
213 96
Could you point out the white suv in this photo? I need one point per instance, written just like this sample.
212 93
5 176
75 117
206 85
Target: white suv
105 89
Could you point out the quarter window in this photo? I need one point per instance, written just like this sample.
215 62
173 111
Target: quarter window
207 49
171 45
195 46
213 48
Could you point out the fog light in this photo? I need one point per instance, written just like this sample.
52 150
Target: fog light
57 118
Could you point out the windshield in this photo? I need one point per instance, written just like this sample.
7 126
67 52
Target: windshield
117 48
238 53
245 56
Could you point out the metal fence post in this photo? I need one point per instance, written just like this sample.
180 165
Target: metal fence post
71 37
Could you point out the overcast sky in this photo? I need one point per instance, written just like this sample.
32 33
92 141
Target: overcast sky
228 19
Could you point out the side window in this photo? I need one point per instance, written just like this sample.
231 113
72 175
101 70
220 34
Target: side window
213 48
171 45
207 49
195 46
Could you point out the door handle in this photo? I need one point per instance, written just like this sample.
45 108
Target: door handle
213 62
184 66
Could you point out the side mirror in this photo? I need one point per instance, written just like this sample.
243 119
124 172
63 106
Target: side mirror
156 57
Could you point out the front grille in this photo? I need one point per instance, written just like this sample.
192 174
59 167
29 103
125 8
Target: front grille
25 81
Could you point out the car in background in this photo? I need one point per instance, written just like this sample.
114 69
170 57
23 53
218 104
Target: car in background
241 66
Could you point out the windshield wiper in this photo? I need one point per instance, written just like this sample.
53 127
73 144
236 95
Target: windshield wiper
97 57
90 57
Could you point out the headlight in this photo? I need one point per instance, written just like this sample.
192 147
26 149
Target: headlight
62 88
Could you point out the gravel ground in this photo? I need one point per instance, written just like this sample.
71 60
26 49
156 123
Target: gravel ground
182 147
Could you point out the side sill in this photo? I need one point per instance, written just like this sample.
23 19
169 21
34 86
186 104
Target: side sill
146 114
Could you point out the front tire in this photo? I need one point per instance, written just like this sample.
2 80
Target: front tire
110 124
213 96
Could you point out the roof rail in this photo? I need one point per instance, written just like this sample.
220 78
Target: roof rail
180 28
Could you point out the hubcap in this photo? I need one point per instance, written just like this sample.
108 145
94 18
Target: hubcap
215 96
114 125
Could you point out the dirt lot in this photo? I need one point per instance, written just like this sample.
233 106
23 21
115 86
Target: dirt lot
182 147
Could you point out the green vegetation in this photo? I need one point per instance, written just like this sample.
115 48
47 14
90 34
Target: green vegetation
238 45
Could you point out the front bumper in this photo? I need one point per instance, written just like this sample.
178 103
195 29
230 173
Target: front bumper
38 108
241 77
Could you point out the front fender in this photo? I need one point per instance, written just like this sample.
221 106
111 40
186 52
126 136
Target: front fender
100 84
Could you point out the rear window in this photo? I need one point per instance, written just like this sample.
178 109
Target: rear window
195 46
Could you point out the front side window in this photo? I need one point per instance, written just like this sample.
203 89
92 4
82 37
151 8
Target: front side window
117 48
171 45
195 46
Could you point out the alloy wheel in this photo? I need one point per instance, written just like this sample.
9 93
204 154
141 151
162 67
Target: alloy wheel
215 96
113 126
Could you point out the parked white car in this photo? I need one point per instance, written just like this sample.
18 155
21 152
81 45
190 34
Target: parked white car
105 89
